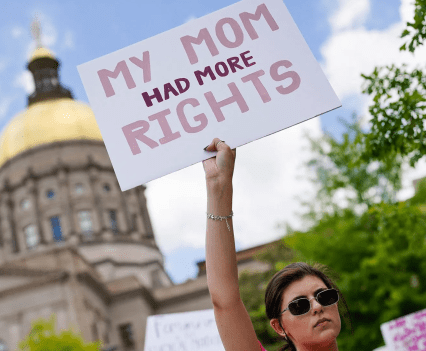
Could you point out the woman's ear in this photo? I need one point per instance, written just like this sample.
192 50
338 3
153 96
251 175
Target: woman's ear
276 326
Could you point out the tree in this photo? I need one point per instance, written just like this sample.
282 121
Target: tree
377 253
339 168
43 337
399 101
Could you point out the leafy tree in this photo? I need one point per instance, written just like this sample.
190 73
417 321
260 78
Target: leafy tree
377 253
399 104
339 168
43 337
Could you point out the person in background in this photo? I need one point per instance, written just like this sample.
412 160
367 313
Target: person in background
301 301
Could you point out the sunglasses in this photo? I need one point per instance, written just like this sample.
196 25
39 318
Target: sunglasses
302 306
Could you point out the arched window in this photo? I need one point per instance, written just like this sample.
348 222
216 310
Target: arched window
25 204
107 188
50 194
86 224
31 236
79 189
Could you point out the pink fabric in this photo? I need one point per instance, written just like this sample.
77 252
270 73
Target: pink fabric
261 347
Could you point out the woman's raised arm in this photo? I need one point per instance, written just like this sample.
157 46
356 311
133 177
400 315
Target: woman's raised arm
233 321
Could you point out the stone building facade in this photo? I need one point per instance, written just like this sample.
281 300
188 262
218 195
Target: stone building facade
71 243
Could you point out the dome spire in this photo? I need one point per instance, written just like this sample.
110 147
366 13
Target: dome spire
36 31
44 67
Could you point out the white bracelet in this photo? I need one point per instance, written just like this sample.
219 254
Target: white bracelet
221 218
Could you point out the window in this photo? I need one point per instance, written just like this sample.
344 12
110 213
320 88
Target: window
86 224
113 221
56 228
50 194
79 189
25 204
107 188
31 236
134 222
126 333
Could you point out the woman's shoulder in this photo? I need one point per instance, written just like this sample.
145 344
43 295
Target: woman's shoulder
261 347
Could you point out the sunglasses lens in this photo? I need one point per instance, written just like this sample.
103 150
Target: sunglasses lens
328 297
300 306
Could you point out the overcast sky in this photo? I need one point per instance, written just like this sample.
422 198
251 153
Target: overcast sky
347 37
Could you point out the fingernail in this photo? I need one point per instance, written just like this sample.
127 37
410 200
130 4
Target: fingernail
205 149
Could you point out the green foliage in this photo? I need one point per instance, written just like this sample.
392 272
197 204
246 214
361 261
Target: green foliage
379 257
399 105
43 337
416 29
398 113
340 166
378 253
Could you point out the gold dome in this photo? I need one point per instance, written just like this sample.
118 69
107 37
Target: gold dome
47 122
41 52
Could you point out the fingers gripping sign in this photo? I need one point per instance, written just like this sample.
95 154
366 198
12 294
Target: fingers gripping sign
221 166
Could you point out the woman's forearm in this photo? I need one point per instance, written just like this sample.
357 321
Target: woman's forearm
221 263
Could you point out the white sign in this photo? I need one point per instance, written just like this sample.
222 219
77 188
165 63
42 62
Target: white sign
407 333
189 331
238 74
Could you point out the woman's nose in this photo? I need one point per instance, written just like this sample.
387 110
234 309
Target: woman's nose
316 306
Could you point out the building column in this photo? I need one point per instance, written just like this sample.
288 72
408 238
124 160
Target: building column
32 189
9 227
67 208
94 178
124 209
140 191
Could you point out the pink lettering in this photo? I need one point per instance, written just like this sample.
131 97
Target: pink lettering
261 10
260 88
279 77
216 106
203 35
198 118
136 131
165 127
238 33
105 74
145 64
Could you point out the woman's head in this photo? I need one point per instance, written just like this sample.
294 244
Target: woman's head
293 282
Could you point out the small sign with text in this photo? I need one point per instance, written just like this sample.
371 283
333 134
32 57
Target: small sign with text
189 331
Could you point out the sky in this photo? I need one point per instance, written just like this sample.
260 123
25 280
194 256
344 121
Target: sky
347 38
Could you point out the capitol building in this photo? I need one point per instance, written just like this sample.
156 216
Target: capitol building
71 243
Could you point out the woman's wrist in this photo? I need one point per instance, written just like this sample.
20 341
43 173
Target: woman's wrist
219 199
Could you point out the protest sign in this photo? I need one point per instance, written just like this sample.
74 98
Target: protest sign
407 333
239 74
189 331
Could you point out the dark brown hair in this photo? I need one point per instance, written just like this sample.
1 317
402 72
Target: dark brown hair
294 272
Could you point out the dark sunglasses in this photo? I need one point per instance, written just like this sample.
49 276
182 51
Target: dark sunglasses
302 306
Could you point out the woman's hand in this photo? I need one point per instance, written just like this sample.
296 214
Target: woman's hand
219 169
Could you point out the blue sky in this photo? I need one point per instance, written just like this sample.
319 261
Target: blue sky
347 37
